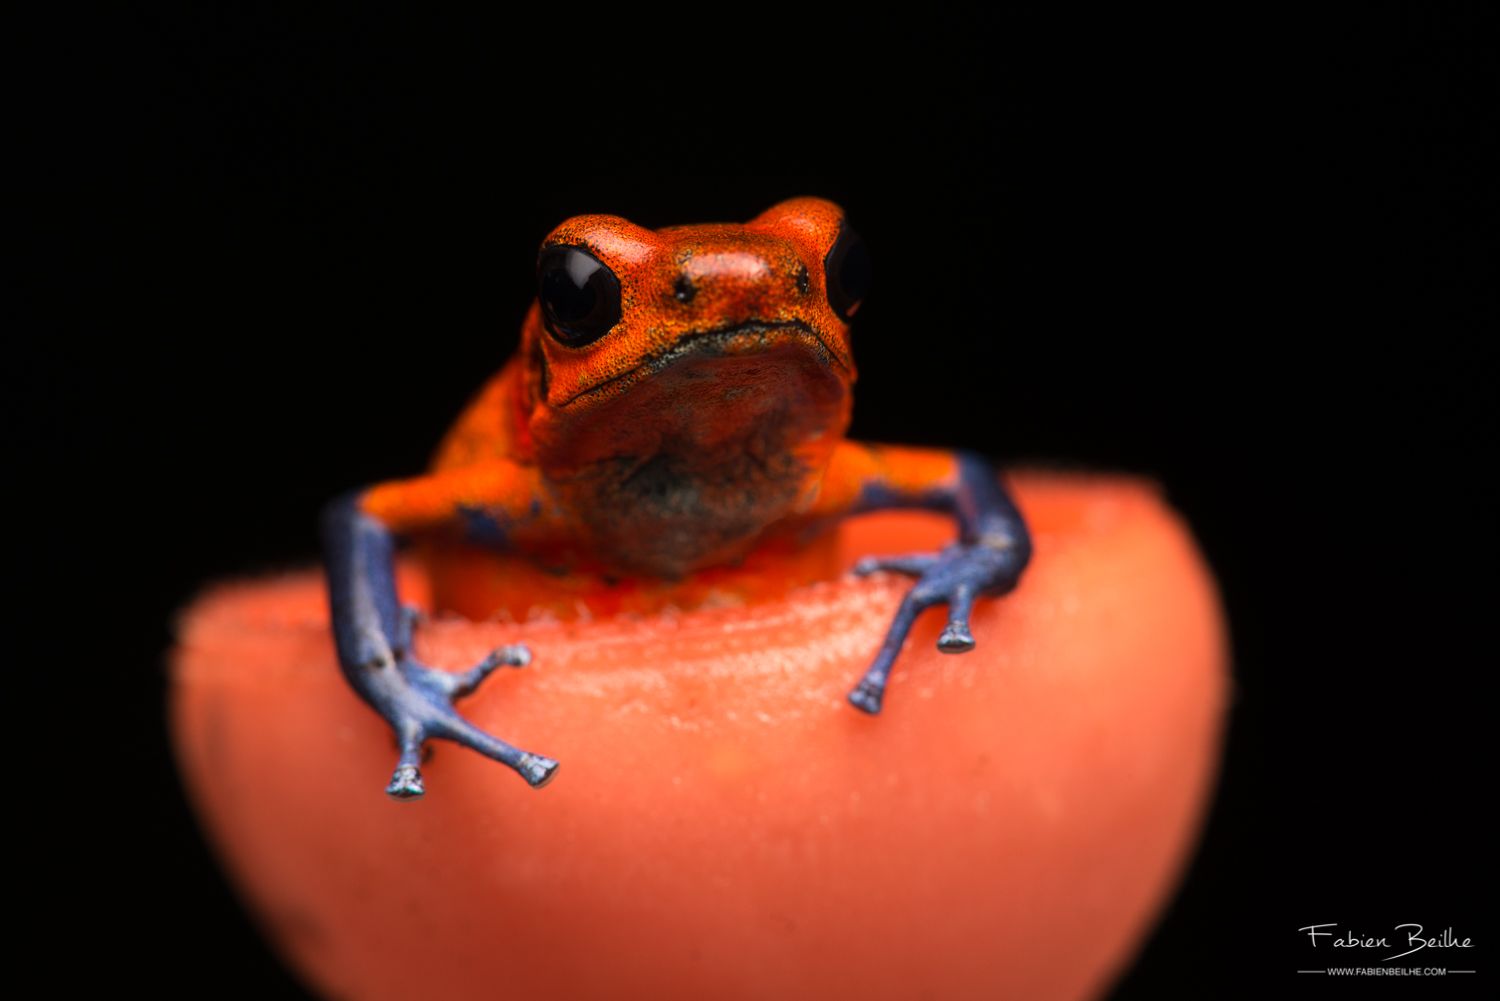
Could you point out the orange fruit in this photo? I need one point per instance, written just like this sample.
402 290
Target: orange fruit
724 824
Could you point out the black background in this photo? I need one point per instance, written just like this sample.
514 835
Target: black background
276 257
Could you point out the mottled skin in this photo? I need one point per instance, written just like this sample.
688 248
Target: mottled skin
706 426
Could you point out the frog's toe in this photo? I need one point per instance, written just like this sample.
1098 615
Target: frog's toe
406 780
511 655
867 697
514 655
406 783
448 685
914 564
956 639
536 770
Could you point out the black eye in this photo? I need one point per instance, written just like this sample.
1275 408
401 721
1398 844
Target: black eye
847 268
580 296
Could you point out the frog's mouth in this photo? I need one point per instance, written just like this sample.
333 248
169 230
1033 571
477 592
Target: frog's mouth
747 339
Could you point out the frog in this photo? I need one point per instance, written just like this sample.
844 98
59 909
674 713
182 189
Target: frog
677 408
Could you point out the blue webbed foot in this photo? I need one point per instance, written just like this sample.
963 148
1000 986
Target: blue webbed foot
957 575
417 701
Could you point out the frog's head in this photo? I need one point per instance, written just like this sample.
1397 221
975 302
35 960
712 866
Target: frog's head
693 337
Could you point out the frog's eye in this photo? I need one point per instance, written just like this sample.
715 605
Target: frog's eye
580 296
847 268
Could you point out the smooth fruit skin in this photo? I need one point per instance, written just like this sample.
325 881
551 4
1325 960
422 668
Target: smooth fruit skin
724 825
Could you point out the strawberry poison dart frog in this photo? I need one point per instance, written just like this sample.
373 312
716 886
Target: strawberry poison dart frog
672 426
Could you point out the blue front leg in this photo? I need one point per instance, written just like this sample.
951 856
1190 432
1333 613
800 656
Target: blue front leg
993 548
373 635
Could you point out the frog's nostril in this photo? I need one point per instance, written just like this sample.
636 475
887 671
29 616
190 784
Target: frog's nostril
683 289
803 280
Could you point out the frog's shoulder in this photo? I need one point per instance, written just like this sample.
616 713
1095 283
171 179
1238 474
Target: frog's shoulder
493 424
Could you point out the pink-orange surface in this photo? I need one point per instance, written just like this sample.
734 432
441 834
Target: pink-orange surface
724 825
